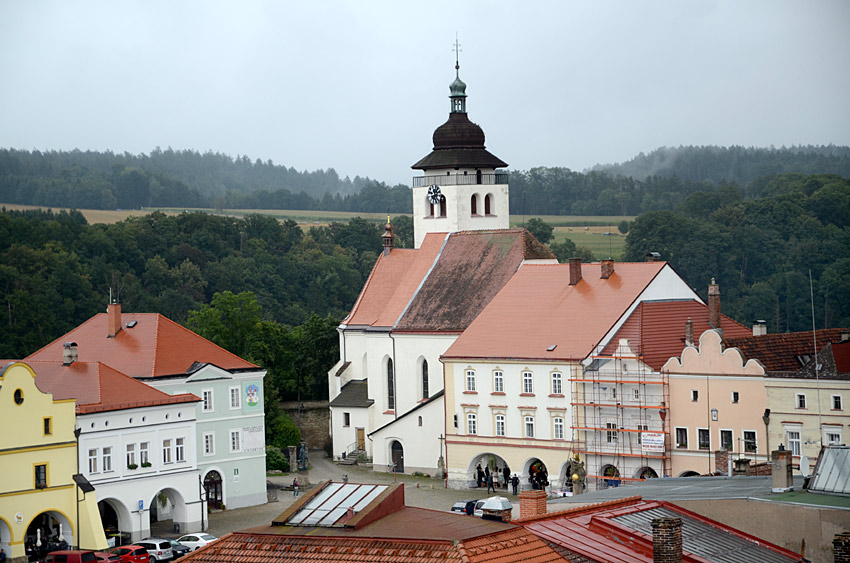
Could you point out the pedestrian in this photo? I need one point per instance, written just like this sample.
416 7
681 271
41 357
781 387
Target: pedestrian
63 545
295 487
515 483
507 475
479 475
491 478
2 555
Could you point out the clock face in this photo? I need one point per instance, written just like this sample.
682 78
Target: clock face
434 194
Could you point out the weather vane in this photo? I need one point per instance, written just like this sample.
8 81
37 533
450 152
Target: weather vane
457 53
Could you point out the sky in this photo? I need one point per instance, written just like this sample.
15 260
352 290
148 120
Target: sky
360 86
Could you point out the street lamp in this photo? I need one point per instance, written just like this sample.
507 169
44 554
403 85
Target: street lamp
766 419
663 414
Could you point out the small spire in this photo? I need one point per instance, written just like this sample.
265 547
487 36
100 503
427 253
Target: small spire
457 56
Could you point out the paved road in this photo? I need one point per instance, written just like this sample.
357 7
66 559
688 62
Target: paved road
418 491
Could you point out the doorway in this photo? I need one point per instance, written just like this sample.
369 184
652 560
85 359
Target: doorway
398 457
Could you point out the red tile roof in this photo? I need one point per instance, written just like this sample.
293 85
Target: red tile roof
656 329
538 308
782 352
154 347
98 388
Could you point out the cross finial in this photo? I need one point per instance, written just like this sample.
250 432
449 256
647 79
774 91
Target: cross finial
457 53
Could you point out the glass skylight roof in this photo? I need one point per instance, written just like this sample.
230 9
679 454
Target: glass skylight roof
333 502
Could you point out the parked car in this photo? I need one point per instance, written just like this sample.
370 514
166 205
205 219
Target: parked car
178 549
70 556
159 549
194 541
104 557
465 506
130 553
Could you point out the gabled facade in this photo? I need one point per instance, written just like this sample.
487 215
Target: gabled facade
137 446
229 440
39 499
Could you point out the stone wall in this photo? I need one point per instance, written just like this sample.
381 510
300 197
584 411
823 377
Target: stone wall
312 419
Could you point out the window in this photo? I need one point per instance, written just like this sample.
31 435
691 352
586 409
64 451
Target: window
558 428
836 403
235 398
637 394
390 385
179 450
166 451
833 438
420 421
93 461
19 397
527 382
749 441
488 204
471 424
470 380
641 429
41 476
498 382
529 427
131 454
473 203
726 440
614 392
735 396
107 458
611 433
235 441
801 400
207 396
794 442
500 425
682 438
425 393
557 380
694 395
48 425
143 453
703 439
346 419
209 443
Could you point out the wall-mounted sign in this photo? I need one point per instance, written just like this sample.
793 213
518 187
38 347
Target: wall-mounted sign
252 395
714 415
652 442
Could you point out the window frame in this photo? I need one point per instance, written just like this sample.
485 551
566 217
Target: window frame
425 381
611 433
681 431
207 404
346 420
736 397
498 381
837 402
557 383
238 396
694 395
237 433
558 432
390 373
40 475
800 401
750 446
731 434
500 424
130 454
209 443
106 459
795 443
469 381
167 457
703 439
48 426
528 426
144 452
527 382
93 456
179 449
472 424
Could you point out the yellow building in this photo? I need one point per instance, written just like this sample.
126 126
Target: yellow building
38 459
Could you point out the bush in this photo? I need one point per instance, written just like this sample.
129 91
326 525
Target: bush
276 460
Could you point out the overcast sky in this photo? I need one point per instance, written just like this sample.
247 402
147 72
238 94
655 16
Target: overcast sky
360 86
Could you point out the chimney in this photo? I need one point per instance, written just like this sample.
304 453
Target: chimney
653 257
607 269
69 353
759 328
575 270
841 548
532 503
667 540
714 304
845 336
689 332
113 323
388 237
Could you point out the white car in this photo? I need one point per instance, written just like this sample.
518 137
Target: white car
194 541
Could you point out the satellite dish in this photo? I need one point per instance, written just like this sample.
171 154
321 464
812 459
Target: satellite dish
804 466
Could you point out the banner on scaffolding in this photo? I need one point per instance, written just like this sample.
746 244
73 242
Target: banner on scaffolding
652 442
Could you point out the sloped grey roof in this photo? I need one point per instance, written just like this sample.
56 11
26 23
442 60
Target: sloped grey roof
354 394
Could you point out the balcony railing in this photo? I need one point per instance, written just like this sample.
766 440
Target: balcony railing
461 179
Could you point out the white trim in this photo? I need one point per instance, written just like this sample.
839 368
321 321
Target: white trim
204 400
204 443
230 395
209 420
230 434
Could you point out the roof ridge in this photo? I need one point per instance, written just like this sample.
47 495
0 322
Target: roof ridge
65 335
625 501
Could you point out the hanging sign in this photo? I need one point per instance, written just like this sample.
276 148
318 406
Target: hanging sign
652 442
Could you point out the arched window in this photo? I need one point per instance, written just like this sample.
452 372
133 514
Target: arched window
430 207
425 393
478 176
473 204
442 206
390 385
488 204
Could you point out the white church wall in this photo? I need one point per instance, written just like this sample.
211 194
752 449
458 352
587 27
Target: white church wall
419 435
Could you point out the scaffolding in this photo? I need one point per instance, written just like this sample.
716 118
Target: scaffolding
616 400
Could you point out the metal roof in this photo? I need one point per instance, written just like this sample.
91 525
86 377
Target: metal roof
333 504
832 472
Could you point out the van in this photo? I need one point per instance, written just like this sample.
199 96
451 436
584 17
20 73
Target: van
70 556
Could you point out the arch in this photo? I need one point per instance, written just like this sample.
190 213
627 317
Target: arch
114 516
489 460
390 385
6 537
46 527
536 474
689 473
214 489
488 204
397 456
442 206
473 204
646 472
171 506
430 206
610 477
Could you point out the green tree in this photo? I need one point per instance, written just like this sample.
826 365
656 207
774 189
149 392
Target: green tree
541 230
231 321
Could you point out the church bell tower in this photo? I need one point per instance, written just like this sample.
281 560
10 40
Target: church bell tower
461 188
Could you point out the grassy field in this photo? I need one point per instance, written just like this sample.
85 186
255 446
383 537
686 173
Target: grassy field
585 231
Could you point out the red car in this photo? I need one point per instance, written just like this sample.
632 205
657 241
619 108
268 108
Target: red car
103 557
130 553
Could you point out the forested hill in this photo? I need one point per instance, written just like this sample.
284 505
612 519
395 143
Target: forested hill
741 165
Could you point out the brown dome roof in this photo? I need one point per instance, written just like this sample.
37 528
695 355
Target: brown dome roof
458 132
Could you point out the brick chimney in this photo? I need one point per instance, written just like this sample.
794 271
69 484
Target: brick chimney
841 548
607 269
113 323
667 540
388 237
575 270
532 503
759 328
714 304
69 353
689 332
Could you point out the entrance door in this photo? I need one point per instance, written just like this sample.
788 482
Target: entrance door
361 438
212 487
398 457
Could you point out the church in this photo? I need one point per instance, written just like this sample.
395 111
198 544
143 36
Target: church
461 350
